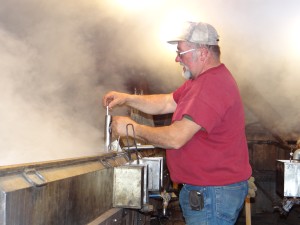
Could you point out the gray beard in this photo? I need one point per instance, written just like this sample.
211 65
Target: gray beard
186 74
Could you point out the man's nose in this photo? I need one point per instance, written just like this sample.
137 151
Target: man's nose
177 59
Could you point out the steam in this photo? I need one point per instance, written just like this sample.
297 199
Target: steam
58 58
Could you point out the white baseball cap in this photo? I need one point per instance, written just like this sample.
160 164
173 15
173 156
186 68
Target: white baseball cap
197 32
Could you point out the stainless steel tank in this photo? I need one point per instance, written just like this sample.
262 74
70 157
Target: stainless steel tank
70 192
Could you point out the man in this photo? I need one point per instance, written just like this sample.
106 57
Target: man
206 144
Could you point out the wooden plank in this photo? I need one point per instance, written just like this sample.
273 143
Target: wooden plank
114 213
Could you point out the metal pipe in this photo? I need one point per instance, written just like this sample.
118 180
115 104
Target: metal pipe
107 131
134 142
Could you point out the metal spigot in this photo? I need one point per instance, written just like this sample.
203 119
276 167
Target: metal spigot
166 199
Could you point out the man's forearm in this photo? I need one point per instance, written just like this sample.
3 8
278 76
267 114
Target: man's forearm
157 136
173 136
152 104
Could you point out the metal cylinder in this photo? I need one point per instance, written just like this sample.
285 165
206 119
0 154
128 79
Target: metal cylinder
107 132
296 155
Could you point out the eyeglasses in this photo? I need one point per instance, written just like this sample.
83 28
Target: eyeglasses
179 54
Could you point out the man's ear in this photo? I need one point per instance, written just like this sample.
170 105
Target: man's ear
203 52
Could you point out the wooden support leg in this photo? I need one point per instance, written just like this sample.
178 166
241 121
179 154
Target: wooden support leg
175 186
248 211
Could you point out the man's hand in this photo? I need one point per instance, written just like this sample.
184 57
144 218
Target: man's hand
119 126
113 98
251 188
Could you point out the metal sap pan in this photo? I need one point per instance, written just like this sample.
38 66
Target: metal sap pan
288 178
155 172
69 192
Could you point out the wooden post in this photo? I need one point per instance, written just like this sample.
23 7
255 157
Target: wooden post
248 211
175 186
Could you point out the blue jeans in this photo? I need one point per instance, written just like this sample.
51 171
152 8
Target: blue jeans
222 204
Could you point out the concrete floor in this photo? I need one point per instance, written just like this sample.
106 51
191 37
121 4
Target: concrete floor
175 217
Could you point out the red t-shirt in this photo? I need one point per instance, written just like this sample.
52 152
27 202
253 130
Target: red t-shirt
218 155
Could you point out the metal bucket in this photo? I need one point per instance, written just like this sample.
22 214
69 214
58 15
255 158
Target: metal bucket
288 178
